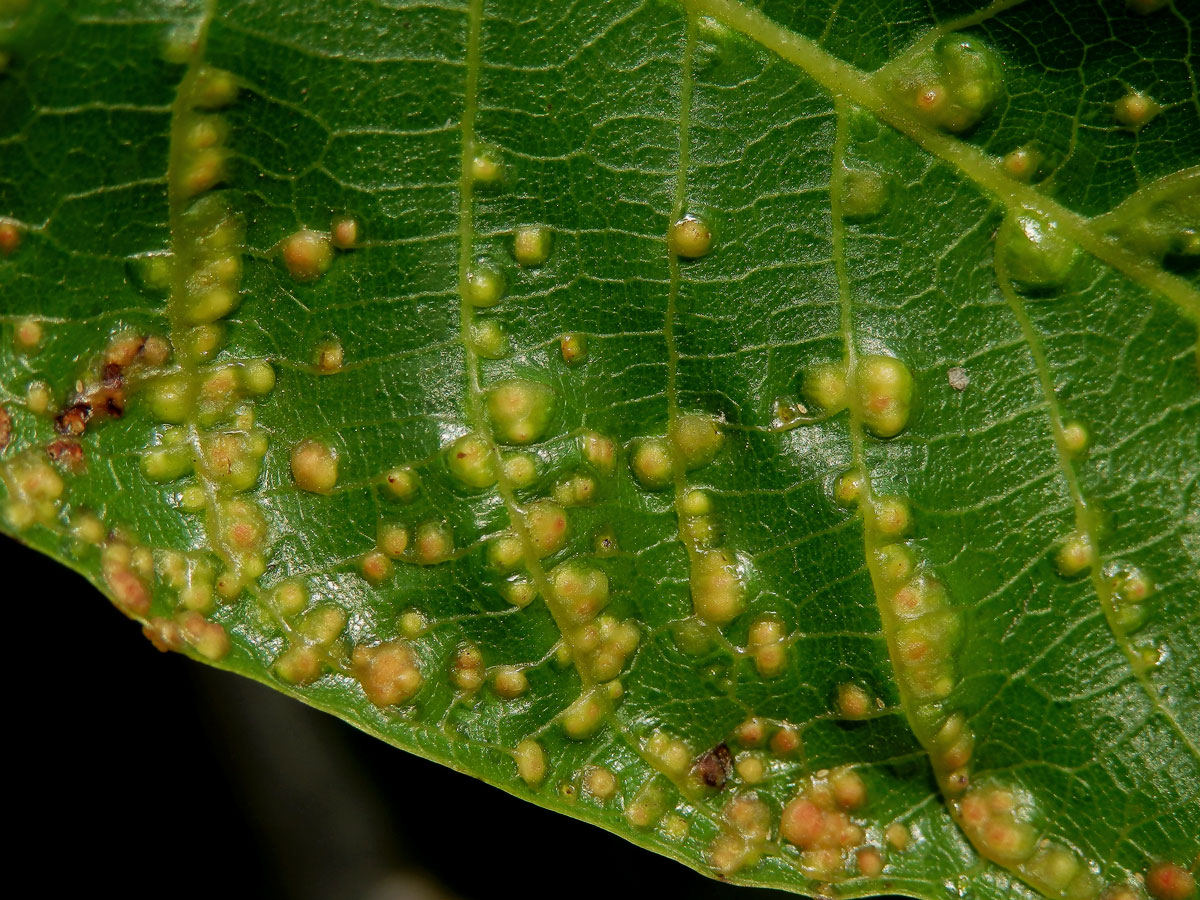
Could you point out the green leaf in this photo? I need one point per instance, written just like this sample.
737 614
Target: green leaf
767 432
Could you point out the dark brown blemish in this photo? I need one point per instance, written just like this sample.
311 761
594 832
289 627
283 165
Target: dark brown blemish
67 452
5 429
73 420
106 401
715 766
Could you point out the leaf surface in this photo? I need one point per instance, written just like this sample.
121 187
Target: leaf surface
768 433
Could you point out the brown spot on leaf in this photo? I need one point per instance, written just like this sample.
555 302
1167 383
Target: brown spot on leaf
105 401
715 766
10 238
73 419
67 452
5 428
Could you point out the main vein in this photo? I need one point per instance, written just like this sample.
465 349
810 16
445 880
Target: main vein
475 411
847 83
177 204
678 207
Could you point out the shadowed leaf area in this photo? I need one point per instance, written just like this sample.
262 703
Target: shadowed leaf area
764 431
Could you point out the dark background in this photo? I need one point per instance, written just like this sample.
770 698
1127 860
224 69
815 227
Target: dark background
152 775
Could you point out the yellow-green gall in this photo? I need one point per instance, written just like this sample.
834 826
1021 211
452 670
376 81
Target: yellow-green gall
27 334
205 132
201 343
600 782
344 233
483 285
896 563
697 438
599 451
178 44
203 170
892 516
1022 163
1034 251
486 167
413 623
213 88
38 397
750 768
401 483
520 469
170 398
466 669
717 587
695 503
917 597
1130 584
1135 110
546 523
520 410
670 754
307 255
573 348
433 543
258 376
375 566
853 701
531 245
389 673
520 592
488 339
884 391
192 498
848 487
578 489
531 761
700 532
647 805
289 598
471 461
952 85
652 462
766 645
690 237
864 194
234 458
580 590
898 836
1076 555
314 466
300 664
1075 437
329 356
509 682
88 528
505 552
825 387
167 463
585 716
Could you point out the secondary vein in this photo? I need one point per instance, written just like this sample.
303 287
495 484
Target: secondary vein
474 398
